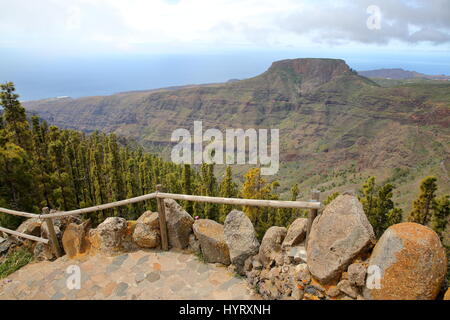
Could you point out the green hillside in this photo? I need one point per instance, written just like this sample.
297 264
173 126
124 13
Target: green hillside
336 127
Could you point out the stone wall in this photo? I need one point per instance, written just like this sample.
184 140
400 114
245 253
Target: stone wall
343 260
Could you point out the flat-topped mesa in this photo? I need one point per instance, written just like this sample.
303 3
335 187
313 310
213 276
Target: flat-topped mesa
313 67
311 72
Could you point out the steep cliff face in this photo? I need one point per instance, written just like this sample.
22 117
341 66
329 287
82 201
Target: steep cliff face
336 127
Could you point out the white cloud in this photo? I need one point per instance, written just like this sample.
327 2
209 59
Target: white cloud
167 25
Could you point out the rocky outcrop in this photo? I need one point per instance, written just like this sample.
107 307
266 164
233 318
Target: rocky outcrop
240 236
109 236
179 224
74 239
296 233
339 235
270 251
410 262
210 234
146 232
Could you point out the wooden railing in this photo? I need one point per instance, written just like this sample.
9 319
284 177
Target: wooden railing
313 205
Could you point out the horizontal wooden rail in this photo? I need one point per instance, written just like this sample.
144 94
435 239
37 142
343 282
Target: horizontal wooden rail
186 197
313 205
19 213
243 202
23 235
100 207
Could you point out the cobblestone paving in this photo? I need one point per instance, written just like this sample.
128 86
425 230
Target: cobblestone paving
138 275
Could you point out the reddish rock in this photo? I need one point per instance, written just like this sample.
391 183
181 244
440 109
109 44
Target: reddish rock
412 264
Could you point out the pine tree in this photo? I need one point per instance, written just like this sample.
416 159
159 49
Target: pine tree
368 198
255 187
441 214
330 198
187 187
17 126
423 205
227 189
378 206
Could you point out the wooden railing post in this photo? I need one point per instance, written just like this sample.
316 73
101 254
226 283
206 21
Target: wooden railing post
52 234
162 219
315 196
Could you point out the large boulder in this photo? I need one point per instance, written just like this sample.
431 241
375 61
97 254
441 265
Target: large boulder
74 239
109 236
146 232
339 235
270 249
179 224
411 264
296 232
240 237
212 241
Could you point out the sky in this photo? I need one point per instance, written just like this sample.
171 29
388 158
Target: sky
43 37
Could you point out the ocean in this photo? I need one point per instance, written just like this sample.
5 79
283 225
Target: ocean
39 76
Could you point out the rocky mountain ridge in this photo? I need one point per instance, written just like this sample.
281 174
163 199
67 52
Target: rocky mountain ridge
336 127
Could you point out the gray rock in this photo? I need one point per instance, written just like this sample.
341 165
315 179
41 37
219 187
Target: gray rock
312 290
297 293
333 292
43 252
269 290
339 235
296 233
146 233
109 235
240 237
212 241
179 224
4 246
194 244
270 249
346 287
357 274
304 276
